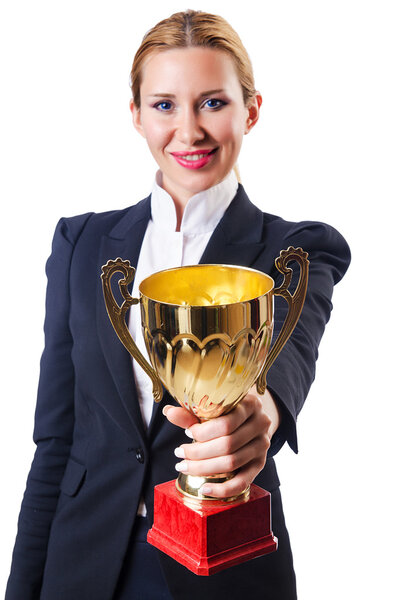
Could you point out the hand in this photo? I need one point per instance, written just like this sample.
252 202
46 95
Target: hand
238 441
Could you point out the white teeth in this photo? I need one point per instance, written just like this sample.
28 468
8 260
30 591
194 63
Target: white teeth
193 156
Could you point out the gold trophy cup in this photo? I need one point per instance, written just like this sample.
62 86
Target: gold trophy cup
208 330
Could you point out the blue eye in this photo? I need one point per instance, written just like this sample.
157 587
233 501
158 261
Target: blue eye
214 103
163 106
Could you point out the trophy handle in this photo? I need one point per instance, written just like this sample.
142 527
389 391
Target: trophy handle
295 304
117 315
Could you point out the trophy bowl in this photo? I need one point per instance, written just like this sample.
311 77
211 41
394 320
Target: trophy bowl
207 343
207 331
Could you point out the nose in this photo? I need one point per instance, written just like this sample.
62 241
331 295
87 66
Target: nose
189 129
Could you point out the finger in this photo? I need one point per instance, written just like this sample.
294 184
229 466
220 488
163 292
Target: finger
255 450
177 415
235 486
226 424
256 425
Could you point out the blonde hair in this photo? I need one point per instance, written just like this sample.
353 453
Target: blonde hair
194 28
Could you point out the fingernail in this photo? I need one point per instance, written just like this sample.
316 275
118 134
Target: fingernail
166 409
181 467
189 433
179 452
206 489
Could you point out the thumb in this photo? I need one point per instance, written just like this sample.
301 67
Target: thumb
177 415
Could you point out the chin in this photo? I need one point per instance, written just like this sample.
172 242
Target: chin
204 182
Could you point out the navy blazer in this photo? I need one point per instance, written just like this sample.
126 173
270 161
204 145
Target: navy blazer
94 459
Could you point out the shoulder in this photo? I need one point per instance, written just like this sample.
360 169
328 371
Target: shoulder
324 244
97 224
314 233
243 215
326 247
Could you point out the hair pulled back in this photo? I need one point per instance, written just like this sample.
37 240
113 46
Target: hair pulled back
194 29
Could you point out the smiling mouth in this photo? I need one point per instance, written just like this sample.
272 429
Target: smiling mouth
194 156
194 160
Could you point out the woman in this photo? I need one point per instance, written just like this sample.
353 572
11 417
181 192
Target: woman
101 445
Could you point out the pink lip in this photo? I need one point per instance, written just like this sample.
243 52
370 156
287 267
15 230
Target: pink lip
194 164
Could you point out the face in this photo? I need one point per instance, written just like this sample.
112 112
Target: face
193 117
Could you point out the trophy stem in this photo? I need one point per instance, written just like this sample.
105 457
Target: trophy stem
189 486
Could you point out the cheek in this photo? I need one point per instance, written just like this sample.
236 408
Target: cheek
230 130
156 132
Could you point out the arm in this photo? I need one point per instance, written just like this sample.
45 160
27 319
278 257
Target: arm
290 378
258 425
54 422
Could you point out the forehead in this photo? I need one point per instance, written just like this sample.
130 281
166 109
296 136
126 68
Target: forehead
193 68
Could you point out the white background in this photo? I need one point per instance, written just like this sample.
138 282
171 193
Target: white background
324 149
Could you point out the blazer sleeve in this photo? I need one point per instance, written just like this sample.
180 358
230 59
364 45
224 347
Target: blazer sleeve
293 371
54 421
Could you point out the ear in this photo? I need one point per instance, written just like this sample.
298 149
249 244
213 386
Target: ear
253 112
136 117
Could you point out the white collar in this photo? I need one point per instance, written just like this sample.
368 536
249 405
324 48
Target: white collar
203 210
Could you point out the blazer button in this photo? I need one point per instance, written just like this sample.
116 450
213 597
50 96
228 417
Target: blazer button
139 455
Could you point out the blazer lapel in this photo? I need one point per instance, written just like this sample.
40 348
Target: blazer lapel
237 237
124 241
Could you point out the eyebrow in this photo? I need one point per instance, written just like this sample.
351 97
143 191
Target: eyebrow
167 95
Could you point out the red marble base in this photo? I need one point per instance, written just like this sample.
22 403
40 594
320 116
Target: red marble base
209 538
